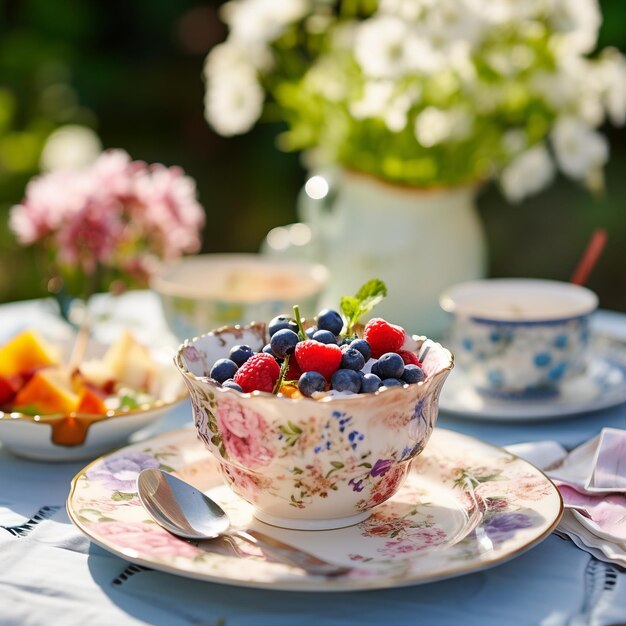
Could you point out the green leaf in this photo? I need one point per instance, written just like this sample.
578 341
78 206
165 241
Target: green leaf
365 299
337 464
166 468
119 496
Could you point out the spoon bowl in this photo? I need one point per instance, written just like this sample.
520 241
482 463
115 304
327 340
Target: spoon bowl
186 512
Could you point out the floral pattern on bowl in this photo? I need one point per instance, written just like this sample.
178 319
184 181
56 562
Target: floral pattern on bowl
307 463
464 506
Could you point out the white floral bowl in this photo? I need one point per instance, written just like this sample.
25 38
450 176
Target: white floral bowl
303 463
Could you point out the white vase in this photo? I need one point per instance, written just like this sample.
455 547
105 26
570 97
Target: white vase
418 241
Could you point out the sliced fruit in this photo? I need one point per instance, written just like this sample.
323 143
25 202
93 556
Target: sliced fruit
48 391
91 402
130 363
9 386
26 351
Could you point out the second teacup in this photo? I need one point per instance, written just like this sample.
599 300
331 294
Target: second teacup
519 338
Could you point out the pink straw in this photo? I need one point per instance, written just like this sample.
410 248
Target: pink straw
590 257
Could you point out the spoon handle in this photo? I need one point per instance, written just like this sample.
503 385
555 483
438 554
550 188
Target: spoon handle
290 554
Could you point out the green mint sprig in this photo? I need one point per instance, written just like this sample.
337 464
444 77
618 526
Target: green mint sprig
365 299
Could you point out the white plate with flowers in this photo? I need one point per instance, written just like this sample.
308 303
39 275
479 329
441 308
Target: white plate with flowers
465 506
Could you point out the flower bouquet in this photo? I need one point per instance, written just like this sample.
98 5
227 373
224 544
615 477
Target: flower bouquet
107 225
428 93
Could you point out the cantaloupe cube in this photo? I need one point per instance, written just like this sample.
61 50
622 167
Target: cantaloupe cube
48 391
90 402
26 351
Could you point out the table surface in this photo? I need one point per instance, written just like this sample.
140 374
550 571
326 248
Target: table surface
51 574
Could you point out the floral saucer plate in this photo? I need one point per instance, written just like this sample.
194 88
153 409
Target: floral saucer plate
465 506
601 386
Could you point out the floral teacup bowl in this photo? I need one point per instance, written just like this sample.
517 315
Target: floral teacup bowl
519 338
304 463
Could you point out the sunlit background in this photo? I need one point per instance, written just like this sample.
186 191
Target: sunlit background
132 72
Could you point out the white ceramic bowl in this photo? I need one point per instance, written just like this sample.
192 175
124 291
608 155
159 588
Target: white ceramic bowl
81 436
519 338
199 293
304 463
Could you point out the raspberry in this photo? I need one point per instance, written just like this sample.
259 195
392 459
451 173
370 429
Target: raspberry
259 373
409 358
383 336
314 356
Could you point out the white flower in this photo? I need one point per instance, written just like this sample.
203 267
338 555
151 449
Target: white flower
579 21
580 151
386 47
262 21
375 100
612 68
70 147
434 126
233 102
527 174
380 100
503 11
449 21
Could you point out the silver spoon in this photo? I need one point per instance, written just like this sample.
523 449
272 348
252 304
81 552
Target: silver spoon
186 512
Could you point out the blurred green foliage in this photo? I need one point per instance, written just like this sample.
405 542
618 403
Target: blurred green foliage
132 71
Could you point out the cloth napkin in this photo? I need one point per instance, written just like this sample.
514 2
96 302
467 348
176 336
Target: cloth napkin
592 482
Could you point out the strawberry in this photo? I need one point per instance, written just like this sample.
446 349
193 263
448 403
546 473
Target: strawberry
409 358
383 336
293 371
259 373
314 356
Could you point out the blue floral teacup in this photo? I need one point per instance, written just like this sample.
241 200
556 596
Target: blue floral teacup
519 338
304 463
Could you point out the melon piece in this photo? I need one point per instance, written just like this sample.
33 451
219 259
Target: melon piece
48 391
91 402
26 351
130 363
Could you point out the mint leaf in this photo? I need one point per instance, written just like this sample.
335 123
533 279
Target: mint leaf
370 294
365 299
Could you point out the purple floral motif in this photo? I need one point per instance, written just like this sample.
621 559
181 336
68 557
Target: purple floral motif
357 485
192 354
504 526
381 467
119 472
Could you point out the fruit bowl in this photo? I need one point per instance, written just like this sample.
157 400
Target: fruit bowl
307 463
85 432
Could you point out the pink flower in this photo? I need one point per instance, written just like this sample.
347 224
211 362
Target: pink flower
116 213
145 538
244 433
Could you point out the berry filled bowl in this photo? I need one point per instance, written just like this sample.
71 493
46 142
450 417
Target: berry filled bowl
316 423
52 409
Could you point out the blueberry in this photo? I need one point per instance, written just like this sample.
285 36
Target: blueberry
363 347
412 374
370 383
352 359
267 349
375 369
346 380
283 342
231 384
324 336
309 332
390 365
223 369
280 322
240 354
330 320
392 382
310 382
